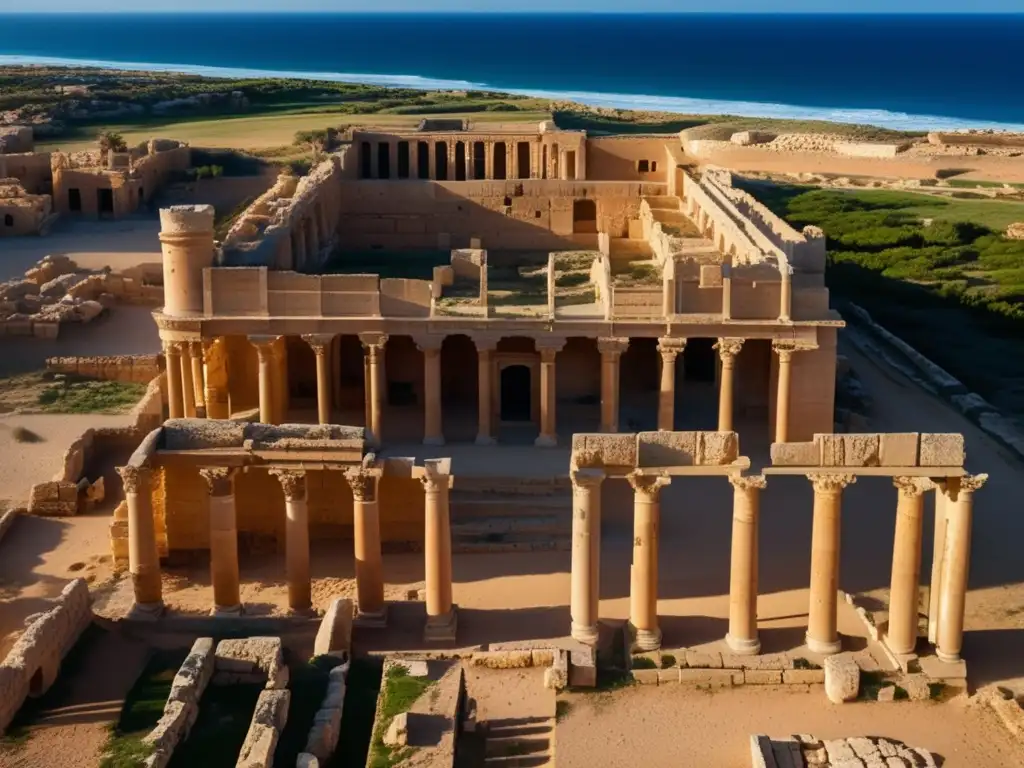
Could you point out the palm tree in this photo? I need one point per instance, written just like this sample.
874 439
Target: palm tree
111 141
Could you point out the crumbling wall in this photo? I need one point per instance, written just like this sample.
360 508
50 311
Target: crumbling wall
869 149
140 369
32 665
32 169
182 707
23 213
15 139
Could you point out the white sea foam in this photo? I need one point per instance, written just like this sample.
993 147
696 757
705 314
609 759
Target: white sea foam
679 104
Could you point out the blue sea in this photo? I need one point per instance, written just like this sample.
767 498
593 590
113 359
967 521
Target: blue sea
899 71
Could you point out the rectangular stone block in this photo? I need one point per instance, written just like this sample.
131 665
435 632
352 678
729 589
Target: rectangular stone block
860 450
68 492
670 675
582 668
941 450
646 676
762 676
796 454
803 676
716 449
667 449
711 678
898 449
614 450
831 448
699 660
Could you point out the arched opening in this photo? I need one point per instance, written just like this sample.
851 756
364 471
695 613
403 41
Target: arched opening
499 164
515 393
459 389
422 160
441 161
460 161
365 160
383 160
479 160
105 202
75 200
584 216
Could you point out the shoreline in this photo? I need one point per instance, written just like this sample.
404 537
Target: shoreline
681 105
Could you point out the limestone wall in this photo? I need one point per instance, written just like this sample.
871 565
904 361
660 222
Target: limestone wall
257 291
32 169
978 138
886 449
869 149
140 369
623 158
32 665
182 707
23 213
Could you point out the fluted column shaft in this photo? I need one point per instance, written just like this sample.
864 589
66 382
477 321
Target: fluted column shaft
223 541
586 554
643 593
956 565
728 349
901 635
611 350
366 532
822 632
484 433
175 397
143 555
742 637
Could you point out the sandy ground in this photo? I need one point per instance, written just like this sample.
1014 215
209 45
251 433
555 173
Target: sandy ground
981 168
675 726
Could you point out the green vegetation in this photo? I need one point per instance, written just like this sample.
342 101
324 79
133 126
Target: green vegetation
141 711
953 287
400 692
77 395
225 713
802 663
207 172
667 661
644 662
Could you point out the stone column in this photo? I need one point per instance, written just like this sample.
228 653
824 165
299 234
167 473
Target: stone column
585 575
484 350
785 353
321 345
611 350
223 540
265 351
726 291
433 431
437 550
371 610
938 555
956 564
188 389
195 349
727 351
643 593
668 348
374 343
548 430
901 635
822 635
742 637
175 397
489 160
143 556
785 292
296 538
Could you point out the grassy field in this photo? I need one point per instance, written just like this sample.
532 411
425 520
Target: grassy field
263 131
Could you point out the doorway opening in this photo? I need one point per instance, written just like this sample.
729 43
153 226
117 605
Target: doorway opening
460 161
479 160
515 393
584 216
105 202
441 161
500 169
383 160
365 160
523 160
422 160
403 159
75 200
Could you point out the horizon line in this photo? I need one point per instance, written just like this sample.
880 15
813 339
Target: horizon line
485 12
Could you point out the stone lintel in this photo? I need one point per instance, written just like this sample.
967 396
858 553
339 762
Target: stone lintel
929 472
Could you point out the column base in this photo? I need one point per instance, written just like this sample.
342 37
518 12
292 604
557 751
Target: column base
433 441
546 441
743 647
226 611
887 642
644 639
947 658
824 647
146 611
371 620
441 629
585 633
485 440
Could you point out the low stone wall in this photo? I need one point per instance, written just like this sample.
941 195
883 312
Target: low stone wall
323 736
252 660
182 707
33 663
840 753
268 720
870 149
717 670
139 369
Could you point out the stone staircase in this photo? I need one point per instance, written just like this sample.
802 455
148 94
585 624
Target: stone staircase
668 212
522 742
511 514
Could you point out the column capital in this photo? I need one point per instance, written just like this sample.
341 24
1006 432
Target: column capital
912 486
669 347
374 342
293 483
785 348
549 345
968 484
728 349
831 483
586 478
219 479
612 345
135 479
648 486
428 344
485 343
748 482
320 342
363 484
195 348
264 346
434 483
174 347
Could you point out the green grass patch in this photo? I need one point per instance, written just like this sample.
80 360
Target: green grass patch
644 662
802 663
225 713
76 395
667 661
400 692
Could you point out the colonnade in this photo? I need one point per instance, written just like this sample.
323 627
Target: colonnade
187 393
144 563
949 588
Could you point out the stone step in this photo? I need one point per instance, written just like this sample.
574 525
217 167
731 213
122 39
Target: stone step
539 525
666 216
662 201
516 746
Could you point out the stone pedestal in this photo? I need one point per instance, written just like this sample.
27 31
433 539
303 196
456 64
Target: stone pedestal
822 633
586 554
143 555
296 533
223 541
742 637
611 350
956 565
370 606
437 551
901 634
643 596
728 349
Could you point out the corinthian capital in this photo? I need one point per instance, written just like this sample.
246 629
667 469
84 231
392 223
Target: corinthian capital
729 348
829 483
135 479
748 482
293 483
912 486
647 487
363 484
220 480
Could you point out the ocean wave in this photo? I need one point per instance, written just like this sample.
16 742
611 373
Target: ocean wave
678 104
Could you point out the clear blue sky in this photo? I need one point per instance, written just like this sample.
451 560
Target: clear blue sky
719 6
